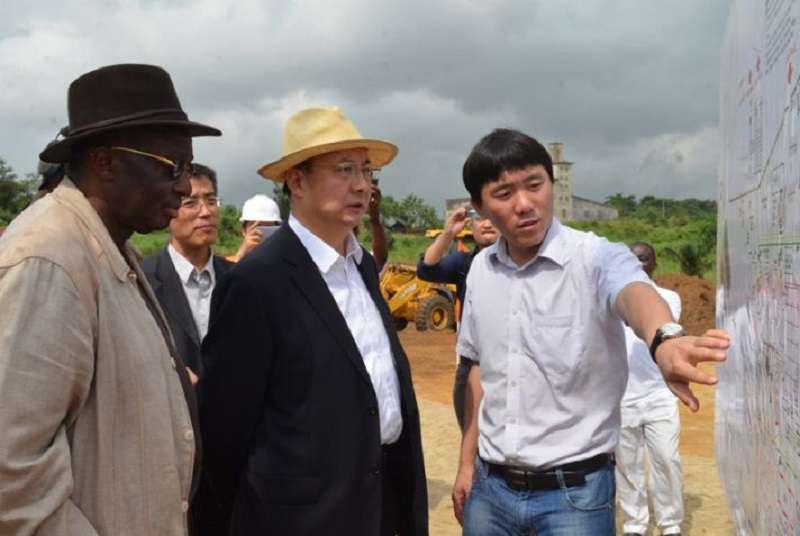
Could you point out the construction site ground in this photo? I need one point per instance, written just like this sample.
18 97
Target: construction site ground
433 363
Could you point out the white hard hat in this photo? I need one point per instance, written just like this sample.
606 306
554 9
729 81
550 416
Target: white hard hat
260 208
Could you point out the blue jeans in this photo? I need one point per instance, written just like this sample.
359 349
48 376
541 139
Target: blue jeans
495 509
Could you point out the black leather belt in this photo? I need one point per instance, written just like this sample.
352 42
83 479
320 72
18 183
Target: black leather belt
574 474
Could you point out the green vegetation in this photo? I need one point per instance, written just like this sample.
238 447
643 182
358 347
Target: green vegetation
687 228
683 232
409 215
407 248
15 194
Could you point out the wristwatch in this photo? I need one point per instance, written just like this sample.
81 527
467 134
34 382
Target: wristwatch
670 330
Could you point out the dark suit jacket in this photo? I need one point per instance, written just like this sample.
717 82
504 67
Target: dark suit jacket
168 289
289 417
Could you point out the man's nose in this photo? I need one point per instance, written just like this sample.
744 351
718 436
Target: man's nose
362 182
522 204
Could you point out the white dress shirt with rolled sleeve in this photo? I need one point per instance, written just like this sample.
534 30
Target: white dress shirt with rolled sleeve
551 348
344 281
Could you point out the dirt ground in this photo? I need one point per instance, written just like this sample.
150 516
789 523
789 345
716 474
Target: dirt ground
433 364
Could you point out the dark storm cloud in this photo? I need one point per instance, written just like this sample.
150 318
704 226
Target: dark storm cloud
627 85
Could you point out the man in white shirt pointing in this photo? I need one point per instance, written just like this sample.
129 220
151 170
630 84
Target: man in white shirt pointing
542 321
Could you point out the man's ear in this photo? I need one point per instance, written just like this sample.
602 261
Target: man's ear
295 183
99 164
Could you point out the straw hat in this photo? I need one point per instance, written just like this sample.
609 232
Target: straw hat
317 131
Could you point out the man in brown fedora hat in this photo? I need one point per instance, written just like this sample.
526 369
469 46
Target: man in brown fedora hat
98 416
308 414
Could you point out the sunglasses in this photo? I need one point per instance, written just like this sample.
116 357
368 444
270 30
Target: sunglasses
179 168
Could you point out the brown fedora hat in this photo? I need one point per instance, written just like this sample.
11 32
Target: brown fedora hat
118 97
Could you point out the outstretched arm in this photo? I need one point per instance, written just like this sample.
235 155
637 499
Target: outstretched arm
640 305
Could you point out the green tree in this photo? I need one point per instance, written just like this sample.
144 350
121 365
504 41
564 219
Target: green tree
418 215
690 259
15 194
229 235
626 204
390 210
282 199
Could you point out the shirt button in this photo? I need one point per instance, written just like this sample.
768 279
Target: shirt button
184 506
132 276
373 411
188 435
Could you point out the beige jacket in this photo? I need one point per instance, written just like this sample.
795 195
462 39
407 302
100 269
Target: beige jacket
96 435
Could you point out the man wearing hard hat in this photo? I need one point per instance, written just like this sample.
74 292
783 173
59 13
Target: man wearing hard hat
309 419
260 218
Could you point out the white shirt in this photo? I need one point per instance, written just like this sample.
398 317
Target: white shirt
344 281
646 387
551 348
197 285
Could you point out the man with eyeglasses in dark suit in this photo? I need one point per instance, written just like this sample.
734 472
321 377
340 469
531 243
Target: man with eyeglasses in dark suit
184 273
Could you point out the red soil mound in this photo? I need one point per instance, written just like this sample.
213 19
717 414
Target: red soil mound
698 300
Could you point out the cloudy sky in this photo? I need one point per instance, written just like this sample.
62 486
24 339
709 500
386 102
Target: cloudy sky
629 86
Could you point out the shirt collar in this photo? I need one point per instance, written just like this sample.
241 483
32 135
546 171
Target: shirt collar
323 255
554 247
186 268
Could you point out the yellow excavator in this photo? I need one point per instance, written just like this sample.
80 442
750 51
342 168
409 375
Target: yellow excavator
429 305
410 299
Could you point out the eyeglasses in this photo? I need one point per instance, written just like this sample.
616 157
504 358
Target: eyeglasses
194 203
179 168
350 171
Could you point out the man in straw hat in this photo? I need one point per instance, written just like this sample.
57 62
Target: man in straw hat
97 413
309 418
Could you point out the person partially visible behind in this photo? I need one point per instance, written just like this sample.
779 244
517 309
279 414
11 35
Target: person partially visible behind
439 267
184 273
97 414
380 246
650 429
51 175
260 218
183 276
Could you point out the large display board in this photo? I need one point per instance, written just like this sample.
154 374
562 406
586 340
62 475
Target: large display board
758 298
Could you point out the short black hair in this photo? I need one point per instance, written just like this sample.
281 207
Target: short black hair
504 149
201 170
647 246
